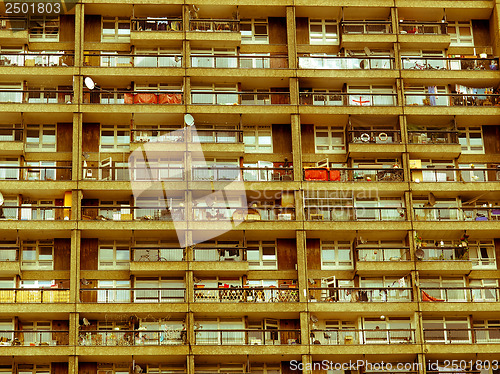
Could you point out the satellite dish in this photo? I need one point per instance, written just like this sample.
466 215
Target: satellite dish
86 322
89 83
367 51
2 200
314 319
419 253
189 119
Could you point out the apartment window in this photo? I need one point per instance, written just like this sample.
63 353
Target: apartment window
411 59
451 289
336 255
218 250
483 290
382 208
220 368
37 255
39 171
154 169
157 57
6 325
400 325
392 285
329 139
113 369
159 289
115 29
371 95
258 139
215 134
11 92
44 29
9 169
113 209
37 210
114 254
487 331
10 132
423 96
482 254
254 31
36 284
115 138
214 58
8 251
116 291
41 138
323 31
446 330
40 336
206 334
33 369
151 250
471 139
262 254
215 169
382 250
461 34
215 94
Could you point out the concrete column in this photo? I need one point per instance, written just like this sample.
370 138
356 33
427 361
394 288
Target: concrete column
74 319
187 90
79 33
296 147
291 37
305 330
190 328
74 281
73 365
307 362
190 364
300 237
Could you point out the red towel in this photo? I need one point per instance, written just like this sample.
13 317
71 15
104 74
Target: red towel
427 297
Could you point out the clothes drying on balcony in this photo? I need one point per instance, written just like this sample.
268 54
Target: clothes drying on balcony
152 98
427 297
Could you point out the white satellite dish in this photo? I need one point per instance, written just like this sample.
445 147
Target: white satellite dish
86 322
2 200
367 51
189 119
89 83
419 253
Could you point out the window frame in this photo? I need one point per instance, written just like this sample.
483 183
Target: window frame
116 146
116 38
44 36
314 38
257 146
252 38
336 246
467 148
332 147
262 263
37 263
114 263
458 40
41 145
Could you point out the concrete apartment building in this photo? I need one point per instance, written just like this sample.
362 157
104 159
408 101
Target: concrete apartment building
364 137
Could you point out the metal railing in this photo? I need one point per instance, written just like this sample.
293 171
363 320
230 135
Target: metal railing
13 23
376 254
350 213
37 59
36 173
155 254
34 213
132 295
427 28
361 294
246 295
345 63
228 213
449 63
433 136
363 336
239 98
10 133
143 60
34 338
214 25
157 24
347 99
132 337
462 336
157 135
445 253
460 294
247 337
126 173
457 214
366 27
129 213
39 295
47 96
354 174
219 254
382 136
247 174
239 61
133 97
454 99
9 254
456 174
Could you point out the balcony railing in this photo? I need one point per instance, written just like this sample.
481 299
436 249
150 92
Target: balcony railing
363 294
456 175
366 27
133 97
34 338
377 254
157 135
37 59
348 99
460 294
125 173
132 337
143 60
246 295
9 133
35 173
346 63
247 337
239 98
364 336
433 137
219 254
129 213
462 336
350 213
36 96
155 254
354 174
13 23
239 62
133 295
35 213
441 99
40 295
247 174
9 254
455 63
427 28
382 136
214 25
432 253
157 24
457 214
259 213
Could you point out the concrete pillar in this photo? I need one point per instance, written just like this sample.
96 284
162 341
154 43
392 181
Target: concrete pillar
74 281
300 237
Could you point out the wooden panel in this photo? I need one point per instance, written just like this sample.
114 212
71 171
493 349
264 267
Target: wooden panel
287 254
64 137
289 324
307 138
313 254
59 213
280 99
62 254
88 254
497 252
63 174
277 30
87 368
67 28
491 138
282 139
89 296
302 25
92 29
59 368
286 368
62 338
481 33
90 137
278 61
89 213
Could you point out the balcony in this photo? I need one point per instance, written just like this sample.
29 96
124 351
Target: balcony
346 63
221 259
364 336
452 260
99 338
144 173
353 174
149 260
428 143
133 295
136 60
48 96
237 213
384 142
457 214
348 99
38 296
129 213
240 98
363 294
13 30
36 173
377 254
11 140
246 295
247 174
253 61
460 294
247 337
133 97
34 338
452 64
462 336
423 35
456 175
9 261
362 33
154 31
37 59
351 213
483 99
27 212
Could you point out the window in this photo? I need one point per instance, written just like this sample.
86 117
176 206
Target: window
323 31
37 255
10 132
471 139
158 133
115 138
9 169
156 290
483 290
41 138
487 331
215 134
113 210
11 92
221 368
446 330
382 250
162 332
215 94
37 210
165 368
157 57
262 255
33 369
30 337
418 59
114 255
449 289
336 255
113 59
206 334
254 31
382 208
216 169
112 293
39 171
218 250
43 95
265 368
329 139
115 29
113 369
154 169
151 250
214 58
390 289
423 96
461 34
8 251
371 95
377 335
258 139
44 29
482 254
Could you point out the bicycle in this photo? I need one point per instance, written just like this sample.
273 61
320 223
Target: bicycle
147 257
